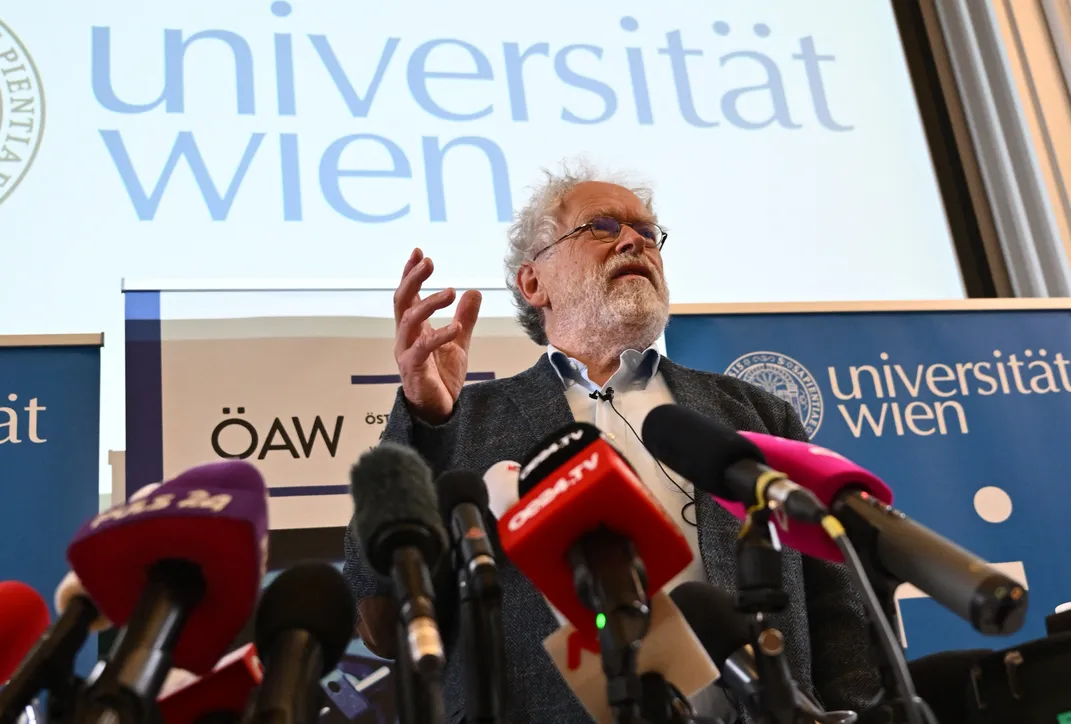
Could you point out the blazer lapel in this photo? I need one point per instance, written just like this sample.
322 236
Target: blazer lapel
717 527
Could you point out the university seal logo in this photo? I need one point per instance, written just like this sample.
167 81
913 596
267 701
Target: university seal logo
22 111
786 378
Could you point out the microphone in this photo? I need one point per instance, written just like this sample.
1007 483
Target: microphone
573 484
220 696
893 544
303 625
71 588
23 619
726 464
401 533
897 546
155 566
590 535
463 501
50 662
720 461
607 396
726 634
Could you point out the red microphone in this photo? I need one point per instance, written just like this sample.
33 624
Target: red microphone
583 511
195 548
23 620
221 694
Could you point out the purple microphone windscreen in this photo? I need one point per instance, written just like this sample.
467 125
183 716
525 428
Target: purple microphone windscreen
214 516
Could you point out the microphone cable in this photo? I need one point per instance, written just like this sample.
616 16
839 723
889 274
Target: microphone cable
918 712
608 396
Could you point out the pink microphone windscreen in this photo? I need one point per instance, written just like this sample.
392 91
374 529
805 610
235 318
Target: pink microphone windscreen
823 472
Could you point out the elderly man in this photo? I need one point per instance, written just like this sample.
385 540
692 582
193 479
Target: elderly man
585 267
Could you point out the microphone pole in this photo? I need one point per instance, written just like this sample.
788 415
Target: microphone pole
611 581
888 710
664 703
463 505
419 686
483 641
760 593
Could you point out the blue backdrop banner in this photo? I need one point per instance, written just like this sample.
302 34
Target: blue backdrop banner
49 457
964 413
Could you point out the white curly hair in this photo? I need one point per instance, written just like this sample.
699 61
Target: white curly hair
536 226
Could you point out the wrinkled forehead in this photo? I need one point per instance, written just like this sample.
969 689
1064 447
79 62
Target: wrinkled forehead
598 198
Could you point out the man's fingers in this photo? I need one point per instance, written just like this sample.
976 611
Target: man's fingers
408 290
411 323
468 309
414 258
431 341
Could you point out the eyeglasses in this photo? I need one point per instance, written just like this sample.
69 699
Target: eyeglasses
607 229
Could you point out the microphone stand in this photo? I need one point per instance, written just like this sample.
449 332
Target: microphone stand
886 710
760 592
663 703
610 581
483 647
418 695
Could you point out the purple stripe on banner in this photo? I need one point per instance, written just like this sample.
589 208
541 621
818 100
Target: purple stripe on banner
144 398
300 490
142 305
376 380
397 380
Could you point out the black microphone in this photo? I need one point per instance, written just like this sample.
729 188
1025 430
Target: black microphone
893 548
726 634
463 504
397 519
607 396
720 461
303 624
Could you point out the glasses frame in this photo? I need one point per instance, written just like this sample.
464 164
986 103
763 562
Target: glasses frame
584 227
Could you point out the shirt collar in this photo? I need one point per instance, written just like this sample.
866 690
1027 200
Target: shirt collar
637 369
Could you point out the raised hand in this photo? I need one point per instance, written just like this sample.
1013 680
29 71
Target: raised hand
432 362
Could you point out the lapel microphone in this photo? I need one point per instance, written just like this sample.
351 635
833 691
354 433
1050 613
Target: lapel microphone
607 396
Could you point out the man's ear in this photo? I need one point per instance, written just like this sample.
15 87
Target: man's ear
532 289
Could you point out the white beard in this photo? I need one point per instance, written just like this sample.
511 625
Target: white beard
601 317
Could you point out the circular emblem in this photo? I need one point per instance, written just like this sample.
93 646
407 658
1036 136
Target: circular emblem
22 111
786 378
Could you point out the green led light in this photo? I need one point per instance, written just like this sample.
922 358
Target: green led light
600 621
1064 718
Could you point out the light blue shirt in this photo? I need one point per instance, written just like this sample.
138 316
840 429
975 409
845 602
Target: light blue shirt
638 387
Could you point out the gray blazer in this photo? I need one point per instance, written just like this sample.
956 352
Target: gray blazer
828 647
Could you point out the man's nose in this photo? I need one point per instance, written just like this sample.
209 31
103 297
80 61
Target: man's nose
629 241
